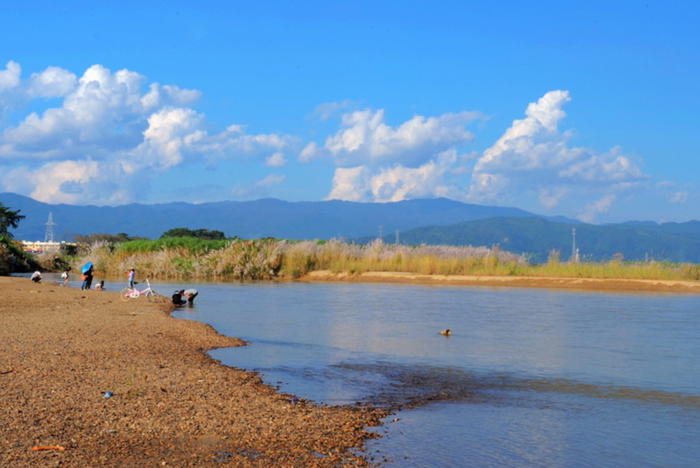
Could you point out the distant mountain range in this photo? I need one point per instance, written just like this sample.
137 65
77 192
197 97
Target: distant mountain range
250 219
428 221
673 242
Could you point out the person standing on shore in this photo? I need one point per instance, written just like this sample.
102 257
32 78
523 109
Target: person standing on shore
131 276
87 279
190 294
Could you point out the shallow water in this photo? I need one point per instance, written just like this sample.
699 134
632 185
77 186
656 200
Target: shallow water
528 378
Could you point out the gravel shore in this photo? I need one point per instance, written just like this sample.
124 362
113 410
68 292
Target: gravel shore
170 404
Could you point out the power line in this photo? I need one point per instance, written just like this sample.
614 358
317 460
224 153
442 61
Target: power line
49 229
574 250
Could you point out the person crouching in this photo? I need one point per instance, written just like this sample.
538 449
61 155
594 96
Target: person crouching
177 297
190 294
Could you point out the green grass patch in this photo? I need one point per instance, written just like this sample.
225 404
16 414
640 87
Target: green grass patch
191 245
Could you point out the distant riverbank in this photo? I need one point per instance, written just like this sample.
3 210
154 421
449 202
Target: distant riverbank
598 284
88 380
270 259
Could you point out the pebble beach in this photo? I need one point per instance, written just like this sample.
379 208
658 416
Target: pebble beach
87 380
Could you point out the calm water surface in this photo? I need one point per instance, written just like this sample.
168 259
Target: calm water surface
529 377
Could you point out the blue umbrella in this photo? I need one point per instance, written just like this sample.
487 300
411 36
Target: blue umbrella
86 267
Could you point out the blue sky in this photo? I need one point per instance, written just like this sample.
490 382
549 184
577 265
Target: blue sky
589 110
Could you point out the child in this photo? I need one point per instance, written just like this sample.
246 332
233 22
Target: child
64 276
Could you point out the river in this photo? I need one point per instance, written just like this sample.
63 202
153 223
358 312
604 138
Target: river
528 378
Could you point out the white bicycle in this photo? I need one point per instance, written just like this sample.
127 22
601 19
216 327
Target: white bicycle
133 293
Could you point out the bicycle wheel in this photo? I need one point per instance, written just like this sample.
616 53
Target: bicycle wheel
125 294
151 296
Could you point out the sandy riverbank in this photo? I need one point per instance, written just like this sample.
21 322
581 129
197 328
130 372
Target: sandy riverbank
172 405
621 285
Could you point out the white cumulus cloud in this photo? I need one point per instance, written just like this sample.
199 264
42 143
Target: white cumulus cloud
378 162
10 79
365 138
52 82
601 206
351 184
10 76
680 196
276 160
397 182
110 134
73 182
326 110
533 155
421 158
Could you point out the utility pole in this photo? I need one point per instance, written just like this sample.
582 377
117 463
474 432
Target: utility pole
397 237
574 250
381 231
49 229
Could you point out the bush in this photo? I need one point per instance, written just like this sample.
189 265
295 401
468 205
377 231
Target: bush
13 259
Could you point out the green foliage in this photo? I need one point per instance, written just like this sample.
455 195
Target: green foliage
54 261
9 219
192 245
5 260
205 234
69 250
13 258
104 238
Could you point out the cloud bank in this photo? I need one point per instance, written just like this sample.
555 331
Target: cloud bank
424 157
111 135
534 155
102 137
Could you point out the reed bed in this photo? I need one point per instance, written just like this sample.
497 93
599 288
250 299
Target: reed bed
268 258
180 260
335 255
617 270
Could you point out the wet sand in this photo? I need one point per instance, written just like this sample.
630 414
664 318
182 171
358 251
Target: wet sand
591 284
171 404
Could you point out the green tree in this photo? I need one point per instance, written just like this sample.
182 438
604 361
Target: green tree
9 219
12 257
204 234
103 237
177 232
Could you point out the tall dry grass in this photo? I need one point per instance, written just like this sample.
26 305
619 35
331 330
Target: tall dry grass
335 255
267 259
235 259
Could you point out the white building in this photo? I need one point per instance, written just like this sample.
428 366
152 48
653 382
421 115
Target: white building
40 247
